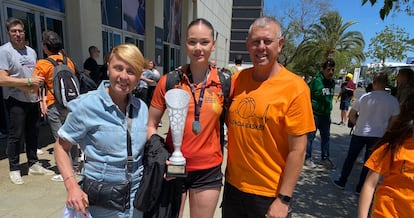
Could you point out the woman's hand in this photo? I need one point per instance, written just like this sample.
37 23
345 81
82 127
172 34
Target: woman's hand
77 200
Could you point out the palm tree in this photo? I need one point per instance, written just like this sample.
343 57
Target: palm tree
331 38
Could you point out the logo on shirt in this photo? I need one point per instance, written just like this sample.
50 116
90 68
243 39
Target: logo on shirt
246 109
327 91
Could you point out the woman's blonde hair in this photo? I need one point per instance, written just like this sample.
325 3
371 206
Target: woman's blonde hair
130 54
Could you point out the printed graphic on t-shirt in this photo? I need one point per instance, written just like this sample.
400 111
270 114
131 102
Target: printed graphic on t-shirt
249 116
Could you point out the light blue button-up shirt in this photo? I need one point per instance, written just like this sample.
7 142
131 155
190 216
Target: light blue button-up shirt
96 123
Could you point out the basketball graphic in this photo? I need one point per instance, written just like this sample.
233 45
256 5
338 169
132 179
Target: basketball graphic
246 108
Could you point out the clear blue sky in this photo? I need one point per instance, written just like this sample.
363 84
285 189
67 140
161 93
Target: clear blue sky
367 16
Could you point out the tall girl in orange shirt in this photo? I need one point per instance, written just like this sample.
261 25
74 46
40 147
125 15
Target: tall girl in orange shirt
201 139
393 159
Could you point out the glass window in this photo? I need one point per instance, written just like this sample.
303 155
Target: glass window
112 13
134 16
55 5
172 21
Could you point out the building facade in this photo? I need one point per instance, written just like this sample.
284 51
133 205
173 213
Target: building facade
157 27
243 14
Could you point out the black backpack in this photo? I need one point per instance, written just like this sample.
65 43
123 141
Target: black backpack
176 76
86 83
65 82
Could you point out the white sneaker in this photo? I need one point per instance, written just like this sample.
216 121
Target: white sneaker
39 152
57 178
309 163
37 169
15 177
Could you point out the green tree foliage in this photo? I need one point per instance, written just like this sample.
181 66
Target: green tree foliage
296 19
406 6
330 38
392 42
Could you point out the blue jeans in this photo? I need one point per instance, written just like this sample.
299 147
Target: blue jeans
324 125
23 124
356 145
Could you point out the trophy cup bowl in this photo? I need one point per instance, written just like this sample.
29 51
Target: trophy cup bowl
177 105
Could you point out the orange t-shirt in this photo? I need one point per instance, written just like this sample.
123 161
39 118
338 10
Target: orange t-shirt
261 116
394 197
45 69
202 151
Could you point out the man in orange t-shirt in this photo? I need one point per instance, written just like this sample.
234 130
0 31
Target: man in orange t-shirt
268 121
56 114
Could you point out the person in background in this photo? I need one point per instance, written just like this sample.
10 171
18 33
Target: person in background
405 83
20 88
213 63
322 91
200 146
155 77
346 95
391 162
100 121
268 122
141 91
238 61
56 114
90 66
376 110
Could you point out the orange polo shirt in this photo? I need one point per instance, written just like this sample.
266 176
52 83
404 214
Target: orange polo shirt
203 150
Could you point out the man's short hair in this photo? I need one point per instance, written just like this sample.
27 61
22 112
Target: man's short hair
328 63
380 78
238 59
12 21
92 49
52 41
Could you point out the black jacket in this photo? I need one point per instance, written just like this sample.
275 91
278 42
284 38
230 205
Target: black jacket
155 196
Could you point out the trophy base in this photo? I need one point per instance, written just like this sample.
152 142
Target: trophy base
176 171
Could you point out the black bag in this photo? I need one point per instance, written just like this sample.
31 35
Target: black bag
107 195
86 83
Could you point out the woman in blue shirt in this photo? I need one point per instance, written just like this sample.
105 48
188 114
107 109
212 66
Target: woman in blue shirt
98 121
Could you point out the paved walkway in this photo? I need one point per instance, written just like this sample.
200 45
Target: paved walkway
315 196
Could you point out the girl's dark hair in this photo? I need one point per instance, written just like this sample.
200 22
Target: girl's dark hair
201 21
400 130
409 76
52 41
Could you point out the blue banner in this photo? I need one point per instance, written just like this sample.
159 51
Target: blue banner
56 5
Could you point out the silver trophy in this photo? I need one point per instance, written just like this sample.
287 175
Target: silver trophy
177 106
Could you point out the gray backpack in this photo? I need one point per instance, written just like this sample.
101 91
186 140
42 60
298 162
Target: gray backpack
65 82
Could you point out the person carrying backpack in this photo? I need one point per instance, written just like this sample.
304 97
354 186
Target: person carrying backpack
201 138
56 112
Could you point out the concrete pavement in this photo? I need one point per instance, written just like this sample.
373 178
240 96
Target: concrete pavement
314 196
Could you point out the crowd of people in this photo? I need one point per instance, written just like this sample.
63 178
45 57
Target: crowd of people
272 116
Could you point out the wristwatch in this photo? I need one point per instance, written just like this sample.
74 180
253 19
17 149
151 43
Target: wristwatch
285 199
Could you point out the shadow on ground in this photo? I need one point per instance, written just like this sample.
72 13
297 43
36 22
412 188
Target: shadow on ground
316 196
